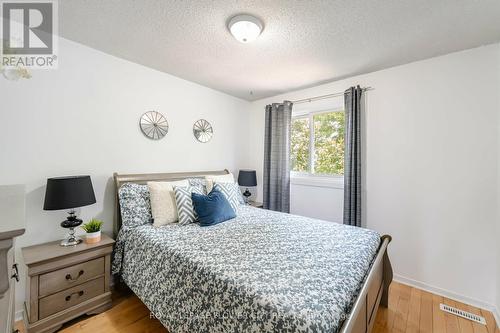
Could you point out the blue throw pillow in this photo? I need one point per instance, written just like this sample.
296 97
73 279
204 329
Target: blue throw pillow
212 208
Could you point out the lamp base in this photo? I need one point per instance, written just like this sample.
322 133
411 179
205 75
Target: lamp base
71 241
247 195
71 223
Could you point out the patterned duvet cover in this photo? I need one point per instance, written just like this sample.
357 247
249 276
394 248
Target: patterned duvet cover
260 272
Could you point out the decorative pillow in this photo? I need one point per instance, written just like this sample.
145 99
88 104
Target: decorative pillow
211 179
163 207
212 208
232 193
134 205
198 182
184 203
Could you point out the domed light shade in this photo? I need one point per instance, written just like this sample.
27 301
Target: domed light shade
245 28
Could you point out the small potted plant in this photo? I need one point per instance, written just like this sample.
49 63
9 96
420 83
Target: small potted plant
93 231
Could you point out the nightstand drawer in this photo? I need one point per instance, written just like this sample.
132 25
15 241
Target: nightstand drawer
70 276
70 297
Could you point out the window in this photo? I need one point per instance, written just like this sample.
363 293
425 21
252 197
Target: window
317 143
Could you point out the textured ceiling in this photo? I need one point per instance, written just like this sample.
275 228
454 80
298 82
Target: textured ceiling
304 43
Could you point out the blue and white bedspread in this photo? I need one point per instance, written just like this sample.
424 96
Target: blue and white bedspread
260 272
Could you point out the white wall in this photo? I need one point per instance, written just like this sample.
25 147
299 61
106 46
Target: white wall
497 312
430 168
324 202
83 119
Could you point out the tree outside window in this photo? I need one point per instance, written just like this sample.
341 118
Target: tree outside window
317 143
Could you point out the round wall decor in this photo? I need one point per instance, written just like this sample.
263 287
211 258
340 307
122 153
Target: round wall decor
202 130
153 125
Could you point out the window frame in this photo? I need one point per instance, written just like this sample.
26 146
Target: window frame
311 178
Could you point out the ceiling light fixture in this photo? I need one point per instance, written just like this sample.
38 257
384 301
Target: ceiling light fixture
245 28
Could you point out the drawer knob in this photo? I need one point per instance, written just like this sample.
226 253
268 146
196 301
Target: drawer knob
70 278
79 293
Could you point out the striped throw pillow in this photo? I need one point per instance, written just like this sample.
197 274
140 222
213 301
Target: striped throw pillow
232 193
184 203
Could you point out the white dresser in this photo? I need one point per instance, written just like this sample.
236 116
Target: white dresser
12 203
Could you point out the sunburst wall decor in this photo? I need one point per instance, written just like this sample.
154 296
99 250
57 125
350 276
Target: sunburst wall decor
203 131
153 125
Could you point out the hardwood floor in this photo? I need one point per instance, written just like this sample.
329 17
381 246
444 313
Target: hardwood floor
414 310
410 310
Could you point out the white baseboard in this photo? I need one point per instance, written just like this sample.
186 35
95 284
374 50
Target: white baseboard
496 314
451 295
19 315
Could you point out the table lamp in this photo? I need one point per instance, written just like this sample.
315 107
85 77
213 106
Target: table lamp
69 193
247 178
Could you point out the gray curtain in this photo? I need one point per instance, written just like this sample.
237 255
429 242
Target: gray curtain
277 157
352 156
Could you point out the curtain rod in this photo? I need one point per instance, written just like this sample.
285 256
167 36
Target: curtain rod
317 98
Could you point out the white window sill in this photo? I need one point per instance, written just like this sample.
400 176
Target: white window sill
317 181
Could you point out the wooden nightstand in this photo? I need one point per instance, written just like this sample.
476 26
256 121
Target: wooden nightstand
66 282
256 204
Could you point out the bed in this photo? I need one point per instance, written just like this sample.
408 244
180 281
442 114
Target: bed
263 271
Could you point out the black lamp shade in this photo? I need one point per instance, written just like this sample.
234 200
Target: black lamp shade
68 192
247 178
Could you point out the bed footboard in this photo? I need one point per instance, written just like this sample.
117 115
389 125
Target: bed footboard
387 272
374 292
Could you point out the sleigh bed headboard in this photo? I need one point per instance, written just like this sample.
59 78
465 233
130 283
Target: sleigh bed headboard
143 178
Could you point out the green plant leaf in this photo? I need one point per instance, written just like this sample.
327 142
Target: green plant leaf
93 225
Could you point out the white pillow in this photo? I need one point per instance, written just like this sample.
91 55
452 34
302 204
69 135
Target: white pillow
162 197
211 179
